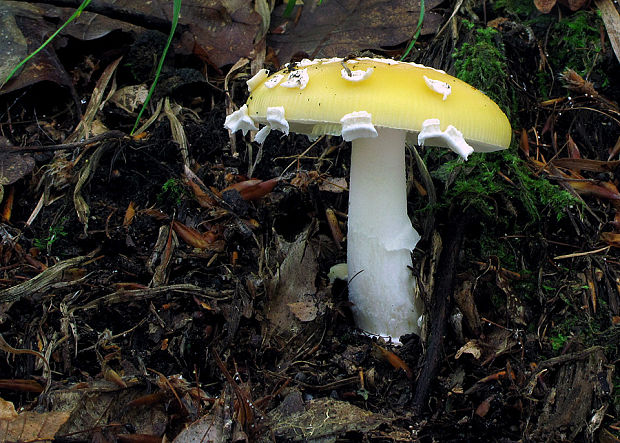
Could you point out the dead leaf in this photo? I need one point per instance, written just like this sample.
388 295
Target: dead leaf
253 189
20 40
211 426
304 310
483 408
611 238
14 166
29 426
202 240
333 184
601 190
334 227
20 385
514 305
91 406
584 164
130 213
130 98
464 298
471 347
220 31
331 28
325 419
294 282
545 6
395 361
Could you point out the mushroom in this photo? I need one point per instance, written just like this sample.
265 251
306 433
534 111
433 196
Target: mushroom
376 104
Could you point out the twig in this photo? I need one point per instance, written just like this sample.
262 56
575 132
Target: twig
66 146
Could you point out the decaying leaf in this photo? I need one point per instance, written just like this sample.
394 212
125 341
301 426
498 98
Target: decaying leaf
130 213
331 29
23 31
582 376
584 164
545 6
253 189
304 310
464 298
130 98
483 408
29 426
293 283
604 190
90 406
471 347
14 166
394 360
325 419
221 31
202 240
333 184
211 426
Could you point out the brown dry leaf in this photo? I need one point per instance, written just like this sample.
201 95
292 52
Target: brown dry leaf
220 31
333 184
584 164
20 385
325 419
130 213
472 347
201 240
335 28
212 426
395 361
304 310
294 282
99 403
611 238
545 6
29 426
464 298
524 143
14 166
514 305
20 40
601 190
491 346
483 408
253 189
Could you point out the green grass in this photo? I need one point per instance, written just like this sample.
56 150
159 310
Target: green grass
176 12
75 15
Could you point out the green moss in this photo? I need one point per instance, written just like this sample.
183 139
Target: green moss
522 8
55 232
483 179
172 191
575 42
481 62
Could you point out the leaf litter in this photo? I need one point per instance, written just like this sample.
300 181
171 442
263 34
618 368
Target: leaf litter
178 281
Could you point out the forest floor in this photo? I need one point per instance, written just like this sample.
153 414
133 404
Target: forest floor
173 282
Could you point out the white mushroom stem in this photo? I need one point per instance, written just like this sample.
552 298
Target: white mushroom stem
380 238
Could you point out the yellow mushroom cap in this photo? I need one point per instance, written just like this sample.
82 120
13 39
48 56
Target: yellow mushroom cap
317 94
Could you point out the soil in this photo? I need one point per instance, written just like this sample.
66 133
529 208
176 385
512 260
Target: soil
167 302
